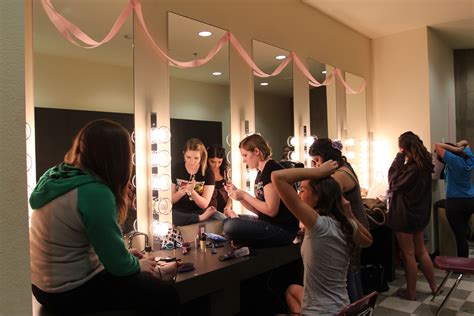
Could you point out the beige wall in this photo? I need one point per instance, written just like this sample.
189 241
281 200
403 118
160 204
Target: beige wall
442 96
192 100
78 84
401 99
441 81
15 293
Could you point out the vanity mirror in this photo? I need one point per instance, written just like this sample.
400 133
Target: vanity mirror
356 144
200 96
73 85
322 102
273 98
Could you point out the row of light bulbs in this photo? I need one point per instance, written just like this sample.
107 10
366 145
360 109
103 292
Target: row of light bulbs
159 181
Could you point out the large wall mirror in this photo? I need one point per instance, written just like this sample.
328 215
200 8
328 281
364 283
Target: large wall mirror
73 85
199 97
273 98
322 102
356 140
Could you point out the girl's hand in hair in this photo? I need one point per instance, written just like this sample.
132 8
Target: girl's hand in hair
327 168
462 143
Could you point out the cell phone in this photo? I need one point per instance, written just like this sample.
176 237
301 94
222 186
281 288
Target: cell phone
167 259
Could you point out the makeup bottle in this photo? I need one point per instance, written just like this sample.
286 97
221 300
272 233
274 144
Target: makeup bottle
202 242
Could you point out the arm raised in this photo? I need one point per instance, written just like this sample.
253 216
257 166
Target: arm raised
283 182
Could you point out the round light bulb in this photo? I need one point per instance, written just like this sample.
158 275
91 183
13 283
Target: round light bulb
161 182
164 134
160 228
163 158
291 141
350 155
309 140
350 142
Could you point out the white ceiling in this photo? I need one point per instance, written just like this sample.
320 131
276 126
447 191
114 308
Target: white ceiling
453 19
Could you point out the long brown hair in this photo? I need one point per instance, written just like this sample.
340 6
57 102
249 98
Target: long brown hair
415 151
253 141
216 151
103 148
195 144
329 204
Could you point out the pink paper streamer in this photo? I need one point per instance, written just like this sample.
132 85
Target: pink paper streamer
68 29
349 90
73 34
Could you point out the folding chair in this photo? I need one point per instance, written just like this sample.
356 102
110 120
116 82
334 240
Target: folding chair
457 265
362 307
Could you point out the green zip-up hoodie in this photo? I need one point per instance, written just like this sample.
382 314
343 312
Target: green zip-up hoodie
74 231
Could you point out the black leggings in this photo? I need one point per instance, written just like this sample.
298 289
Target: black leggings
458 212
142 292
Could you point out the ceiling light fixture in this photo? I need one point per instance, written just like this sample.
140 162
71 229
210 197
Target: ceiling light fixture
280 57
264 83
205 33
217 73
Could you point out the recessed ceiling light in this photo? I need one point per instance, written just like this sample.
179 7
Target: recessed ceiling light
217 73
324 71
264 83
205 33
280 57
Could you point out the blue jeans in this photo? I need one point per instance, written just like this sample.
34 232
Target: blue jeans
250 231
354 286
183 218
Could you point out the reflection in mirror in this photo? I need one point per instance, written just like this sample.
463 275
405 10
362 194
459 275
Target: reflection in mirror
73 85
199 101
356 141
322 110
273 98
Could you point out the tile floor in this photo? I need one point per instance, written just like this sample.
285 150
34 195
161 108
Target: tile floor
461 302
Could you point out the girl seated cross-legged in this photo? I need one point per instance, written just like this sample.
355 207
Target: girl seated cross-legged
274 225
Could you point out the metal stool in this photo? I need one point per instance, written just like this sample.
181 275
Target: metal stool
452 264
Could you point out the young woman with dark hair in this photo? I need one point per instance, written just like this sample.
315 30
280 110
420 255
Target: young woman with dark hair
274 224
193 186
331 235
322 150
409 178
79 262
217 163
459 165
